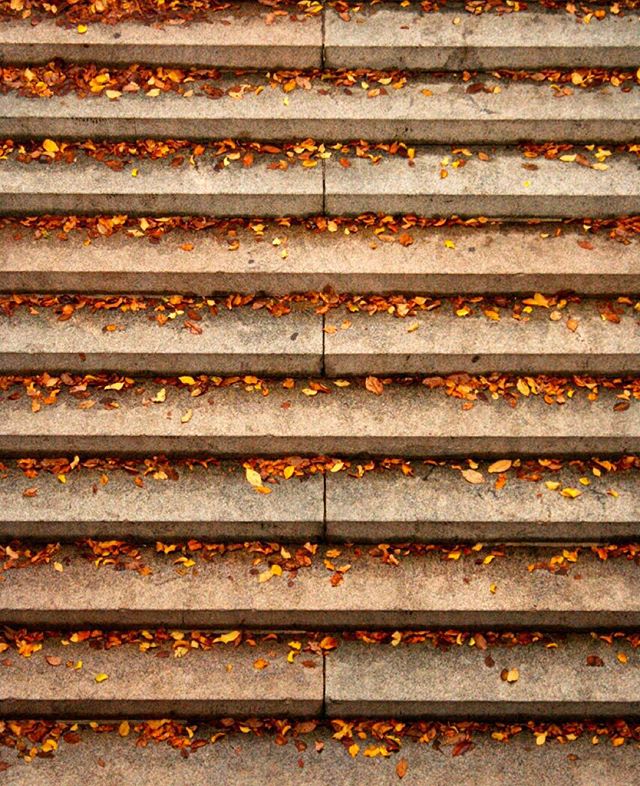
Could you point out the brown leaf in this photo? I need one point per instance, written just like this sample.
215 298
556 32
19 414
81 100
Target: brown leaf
53 660
594 660
374 385
401 768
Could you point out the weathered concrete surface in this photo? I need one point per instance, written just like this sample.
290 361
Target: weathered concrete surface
240 341
499 187
246 759
439 342
422 591
505 259
448 114
216 504
421 680
89 186
410 421
248 36
209 683
438 504
452 40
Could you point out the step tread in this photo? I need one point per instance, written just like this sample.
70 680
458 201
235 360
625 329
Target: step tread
520 110
246 759
403 421
245 36
422 591
236 341
214 682
490 259
216 503
439 342
391 37
500 187
422 680
437 503
91 186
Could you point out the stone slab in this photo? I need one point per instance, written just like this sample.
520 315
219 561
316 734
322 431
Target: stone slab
437 504
420 680
216 504
239 341
202 683
448 114
246 36
439 342
500 187
422 591
500 259
391 37
246 759
410 421
88 186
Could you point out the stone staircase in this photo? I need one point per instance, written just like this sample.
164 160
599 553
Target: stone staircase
319 439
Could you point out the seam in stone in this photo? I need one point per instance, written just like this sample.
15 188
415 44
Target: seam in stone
323 15
324 186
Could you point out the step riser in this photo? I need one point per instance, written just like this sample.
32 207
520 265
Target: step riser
478 131
321 619
97 282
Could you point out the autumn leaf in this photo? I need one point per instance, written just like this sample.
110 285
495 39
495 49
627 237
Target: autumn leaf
401 768
374 385
500 466
260 664
472 476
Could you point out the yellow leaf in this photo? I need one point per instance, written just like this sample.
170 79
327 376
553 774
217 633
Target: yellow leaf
288 471
58 566
353 749
622 657
187 380
523 387
82 29
101 677
227 638
265 576
570 492
552 485
500 466
124 728
541 738
187 416
114 386
253 477
50 146
260 664
160 396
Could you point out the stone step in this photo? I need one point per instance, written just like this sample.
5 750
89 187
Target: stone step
499 187
244 759
215 504
383 37
439 342
237 341
578 339
503 186
435 505
92 187
460 681
425 111
449 260
407 421
386 36
214 682
581 677
424 590
243 36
